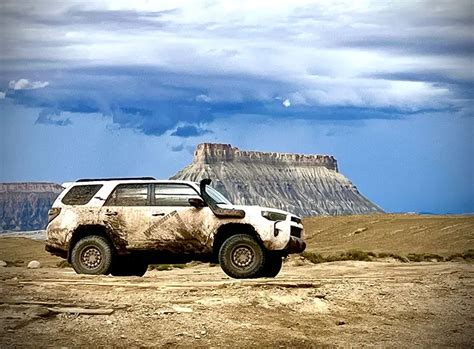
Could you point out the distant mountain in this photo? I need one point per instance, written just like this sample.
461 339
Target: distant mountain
303 184
24 206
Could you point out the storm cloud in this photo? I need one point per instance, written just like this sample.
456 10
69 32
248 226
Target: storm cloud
156 67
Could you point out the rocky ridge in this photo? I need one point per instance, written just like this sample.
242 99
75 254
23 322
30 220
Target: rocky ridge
24 206
303 184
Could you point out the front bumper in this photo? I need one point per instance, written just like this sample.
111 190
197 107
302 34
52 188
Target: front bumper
295 245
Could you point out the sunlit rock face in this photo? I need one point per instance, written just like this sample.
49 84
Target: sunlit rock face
24 206
299 183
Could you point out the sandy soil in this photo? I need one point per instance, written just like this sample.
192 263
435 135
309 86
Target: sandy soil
393 233
340 303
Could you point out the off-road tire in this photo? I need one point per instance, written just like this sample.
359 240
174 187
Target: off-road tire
128 266
241 256
92 255
273 264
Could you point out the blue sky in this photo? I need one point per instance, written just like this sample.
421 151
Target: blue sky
118 88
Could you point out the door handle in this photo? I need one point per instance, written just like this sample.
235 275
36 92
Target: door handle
111 213
154 214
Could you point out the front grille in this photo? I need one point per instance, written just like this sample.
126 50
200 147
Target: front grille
296 232
295 219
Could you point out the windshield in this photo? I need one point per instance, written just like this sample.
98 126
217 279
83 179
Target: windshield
216 196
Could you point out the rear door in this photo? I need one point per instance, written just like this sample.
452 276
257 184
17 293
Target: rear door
175 225
127 212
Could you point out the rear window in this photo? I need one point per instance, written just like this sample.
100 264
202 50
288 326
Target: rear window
80 194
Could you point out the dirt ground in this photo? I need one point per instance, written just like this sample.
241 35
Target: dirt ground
393 233
341 303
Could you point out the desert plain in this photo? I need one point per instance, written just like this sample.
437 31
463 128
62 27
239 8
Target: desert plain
409 283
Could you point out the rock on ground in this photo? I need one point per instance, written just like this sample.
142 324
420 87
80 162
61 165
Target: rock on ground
34 265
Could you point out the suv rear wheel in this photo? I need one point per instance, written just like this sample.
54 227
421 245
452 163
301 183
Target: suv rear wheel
92 255
241 256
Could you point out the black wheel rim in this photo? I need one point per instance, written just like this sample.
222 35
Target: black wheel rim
91 257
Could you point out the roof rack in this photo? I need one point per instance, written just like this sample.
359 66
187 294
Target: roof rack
115 179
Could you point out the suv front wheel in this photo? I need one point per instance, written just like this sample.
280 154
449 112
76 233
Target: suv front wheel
241 256
92 255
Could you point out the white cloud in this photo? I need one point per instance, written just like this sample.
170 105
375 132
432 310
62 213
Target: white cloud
286 103
25 84
318 52
203 98
2 95
372 93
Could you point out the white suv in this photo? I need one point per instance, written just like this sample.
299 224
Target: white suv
121 225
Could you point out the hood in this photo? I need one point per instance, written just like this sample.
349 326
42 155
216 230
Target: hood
254 208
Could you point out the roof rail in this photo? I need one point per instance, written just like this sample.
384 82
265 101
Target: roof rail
115 179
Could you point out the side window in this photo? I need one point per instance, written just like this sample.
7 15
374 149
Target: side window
80 194
129 195
173 194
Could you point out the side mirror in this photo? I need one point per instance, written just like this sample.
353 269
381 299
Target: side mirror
196 202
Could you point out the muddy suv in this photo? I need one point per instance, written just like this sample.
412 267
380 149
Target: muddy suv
120 226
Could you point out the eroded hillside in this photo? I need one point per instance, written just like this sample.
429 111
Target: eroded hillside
303 184
24 206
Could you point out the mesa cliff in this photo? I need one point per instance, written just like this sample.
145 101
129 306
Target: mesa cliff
24 206
299 183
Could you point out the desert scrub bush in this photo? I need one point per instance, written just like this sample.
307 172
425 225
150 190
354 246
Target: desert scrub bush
313 257
63 264
469 254
432 256
356 255
392 255
466 255
415 257
352 255
424 257
15 263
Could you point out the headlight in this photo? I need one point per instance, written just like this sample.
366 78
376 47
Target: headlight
274 216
